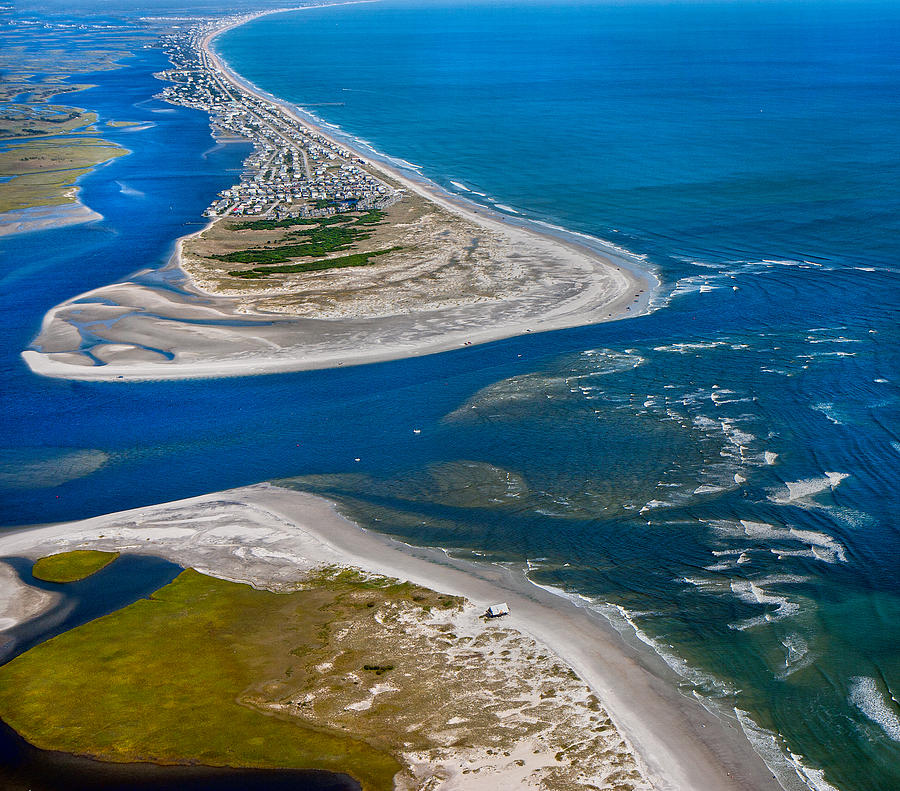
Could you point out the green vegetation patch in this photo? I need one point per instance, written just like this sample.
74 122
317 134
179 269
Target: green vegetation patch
270 225
320 237
24 120
319 241
179 678
372 217
56 154
357 259
72 566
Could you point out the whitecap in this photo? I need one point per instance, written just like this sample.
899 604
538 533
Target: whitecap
808 487
683 348
755 592
820 546
797 653
823 546
827 409
871 701
653 504
707 488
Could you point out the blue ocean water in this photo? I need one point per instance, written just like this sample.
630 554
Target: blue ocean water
719 476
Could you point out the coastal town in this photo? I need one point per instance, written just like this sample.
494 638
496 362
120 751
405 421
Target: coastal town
293 171
335 258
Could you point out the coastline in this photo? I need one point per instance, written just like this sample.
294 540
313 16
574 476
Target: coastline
265 535
411 179
610 286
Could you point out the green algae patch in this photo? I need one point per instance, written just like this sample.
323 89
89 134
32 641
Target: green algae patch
72 566
170 679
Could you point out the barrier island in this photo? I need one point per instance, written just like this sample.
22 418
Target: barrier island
323 255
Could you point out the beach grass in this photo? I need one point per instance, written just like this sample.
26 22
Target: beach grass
72 566
319 236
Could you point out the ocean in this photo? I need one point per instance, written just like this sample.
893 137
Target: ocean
718 477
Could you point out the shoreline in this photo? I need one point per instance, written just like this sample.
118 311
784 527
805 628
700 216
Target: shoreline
265 535
611 286
421 185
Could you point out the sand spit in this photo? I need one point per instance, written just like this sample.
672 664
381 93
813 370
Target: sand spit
266 536
432 299
20 602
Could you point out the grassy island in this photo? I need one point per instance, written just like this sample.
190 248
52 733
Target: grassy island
44 172
72 566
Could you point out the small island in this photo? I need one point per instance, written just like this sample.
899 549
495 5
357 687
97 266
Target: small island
303 641
72 566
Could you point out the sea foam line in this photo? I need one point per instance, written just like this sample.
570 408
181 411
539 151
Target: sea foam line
788 768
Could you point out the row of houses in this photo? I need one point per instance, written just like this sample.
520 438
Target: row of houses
293 169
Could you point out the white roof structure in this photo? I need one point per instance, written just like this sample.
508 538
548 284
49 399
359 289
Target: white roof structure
496 610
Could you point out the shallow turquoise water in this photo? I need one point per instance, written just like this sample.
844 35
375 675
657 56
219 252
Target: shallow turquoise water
721 473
